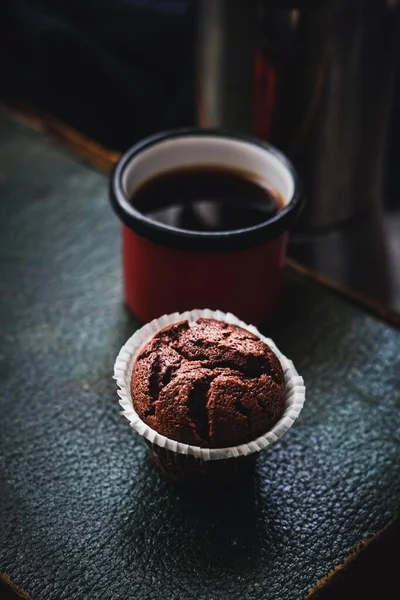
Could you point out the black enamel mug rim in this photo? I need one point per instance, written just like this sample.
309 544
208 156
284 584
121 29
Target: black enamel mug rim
215 241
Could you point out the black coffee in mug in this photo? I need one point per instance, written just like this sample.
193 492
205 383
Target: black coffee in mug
207 198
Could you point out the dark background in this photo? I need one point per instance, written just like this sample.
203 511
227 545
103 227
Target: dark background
116 70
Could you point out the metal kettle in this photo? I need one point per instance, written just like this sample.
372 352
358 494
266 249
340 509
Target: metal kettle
315 78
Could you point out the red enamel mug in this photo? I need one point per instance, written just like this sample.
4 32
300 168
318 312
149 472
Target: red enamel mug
168 269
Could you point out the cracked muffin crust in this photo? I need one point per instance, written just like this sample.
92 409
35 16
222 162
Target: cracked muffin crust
208 384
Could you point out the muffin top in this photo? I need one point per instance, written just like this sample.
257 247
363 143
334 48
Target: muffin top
208 383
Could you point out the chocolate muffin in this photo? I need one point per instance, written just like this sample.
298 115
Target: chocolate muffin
208 384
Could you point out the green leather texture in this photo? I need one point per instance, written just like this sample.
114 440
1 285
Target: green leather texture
83 514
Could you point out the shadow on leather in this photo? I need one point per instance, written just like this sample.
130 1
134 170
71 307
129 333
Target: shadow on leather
198 531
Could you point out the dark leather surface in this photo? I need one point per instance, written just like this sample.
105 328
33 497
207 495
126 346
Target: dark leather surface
82 513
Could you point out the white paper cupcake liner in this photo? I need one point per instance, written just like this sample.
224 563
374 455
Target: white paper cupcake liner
294 385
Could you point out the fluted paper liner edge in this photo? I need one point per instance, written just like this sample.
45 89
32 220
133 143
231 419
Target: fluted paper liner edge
294 387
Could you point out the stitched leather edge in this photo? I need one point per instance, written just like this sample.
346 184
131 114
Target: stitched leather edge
363 302
15 588
355 553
